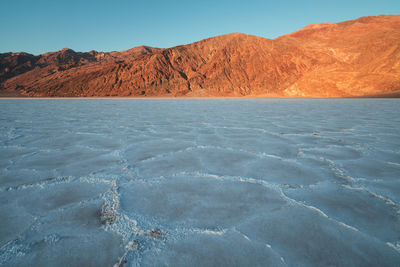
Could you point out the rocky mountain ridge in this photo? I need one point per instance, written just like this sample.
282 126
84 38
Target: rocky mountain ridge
349 59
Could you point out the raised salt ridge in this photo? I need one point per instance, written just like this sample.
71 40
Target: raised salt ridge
200 182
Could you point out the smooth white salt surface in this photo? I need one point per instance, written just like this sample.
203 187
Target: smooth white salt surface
196 182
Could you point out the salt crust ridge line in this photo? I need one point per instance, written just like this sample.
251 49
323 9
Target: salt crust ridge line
395 246
272 186
123 225
191 148
128 229
133 222
120 223
290 200
266 245
351 180
41 183
55 181
18 246
388 201
116 222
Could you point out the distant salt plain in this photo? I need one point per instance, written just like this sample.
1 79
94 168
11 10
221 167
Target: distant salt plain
200 182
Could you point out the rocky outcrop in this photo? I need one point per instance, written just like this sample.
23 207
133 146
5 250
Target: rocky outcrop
353 58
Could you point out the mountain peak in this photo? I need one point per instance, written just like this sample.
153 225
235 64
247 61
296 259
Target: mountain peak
66 50
352 58
236 34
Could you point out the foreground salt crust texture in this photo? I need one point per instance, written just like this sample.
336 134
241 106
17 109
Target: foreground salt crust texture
200 182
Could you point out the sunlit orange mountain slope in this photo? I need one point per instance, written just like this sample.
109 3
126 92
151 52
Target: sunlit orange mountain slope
353 58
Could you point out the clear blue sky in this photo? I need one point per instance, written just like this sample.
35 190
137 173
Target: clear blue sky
38 26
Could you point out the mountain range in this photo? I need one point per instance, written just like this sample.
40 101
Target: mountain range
357 58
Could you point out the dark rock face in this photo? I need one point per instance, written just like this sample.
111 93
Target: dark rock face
353 58
12 64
